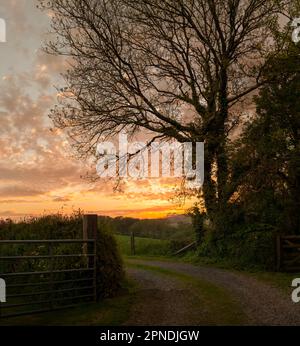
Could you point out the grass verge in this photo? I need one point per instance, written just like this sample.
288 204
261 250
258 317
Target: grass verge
108 312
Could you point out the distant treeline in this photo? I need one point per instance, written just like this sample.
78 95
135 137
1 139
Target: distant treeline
150 228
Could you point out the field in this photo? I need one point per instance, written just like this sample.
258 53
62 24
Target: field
144 246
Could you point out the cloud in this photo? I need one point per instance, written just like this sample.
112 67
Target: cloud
19 191
37 166
16 201
62 199
10 214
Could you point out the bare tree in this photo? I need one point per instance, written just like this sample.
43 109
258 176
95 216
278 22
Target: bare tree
178 69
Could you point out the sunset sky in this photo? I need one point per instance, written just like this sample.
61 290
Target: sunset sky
38 172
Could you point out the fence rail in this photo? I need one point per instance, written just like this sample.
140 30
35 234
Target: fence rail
54 280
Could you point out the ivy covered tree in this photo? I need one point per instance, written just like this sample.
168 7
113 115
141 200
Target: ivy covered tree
267 166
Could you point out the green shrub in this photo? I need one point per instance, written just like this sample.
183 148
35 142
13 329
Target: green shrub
110 267
110 273
249 247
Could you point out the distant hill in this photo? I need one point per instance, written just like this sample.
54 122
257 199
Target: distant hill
176 219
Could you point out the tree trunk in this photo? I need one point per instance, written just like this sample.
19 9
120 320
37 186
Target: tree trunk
209 185
221 154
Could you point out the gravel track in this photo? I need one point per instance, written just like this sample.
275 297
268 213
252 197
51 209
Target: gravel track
164 301
160 300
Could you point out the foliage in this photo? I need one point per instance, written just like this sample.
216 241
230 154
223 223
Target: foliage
264 173
144 246
149 228
268 159
178 70
248 247
110 272
198 222
110 269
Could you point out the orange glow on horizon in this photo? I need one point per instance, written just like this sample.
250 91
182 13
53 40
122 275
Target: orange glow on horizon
143 204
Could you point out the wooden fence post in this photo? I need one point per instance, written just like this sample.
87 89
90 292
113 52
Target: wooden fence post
90 231
132 244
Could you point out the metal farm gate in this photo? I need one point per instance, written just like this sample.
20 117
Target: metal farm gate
60 273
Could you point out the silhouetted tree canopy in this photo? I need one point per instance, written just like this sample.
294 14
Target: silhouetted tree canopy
183 70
